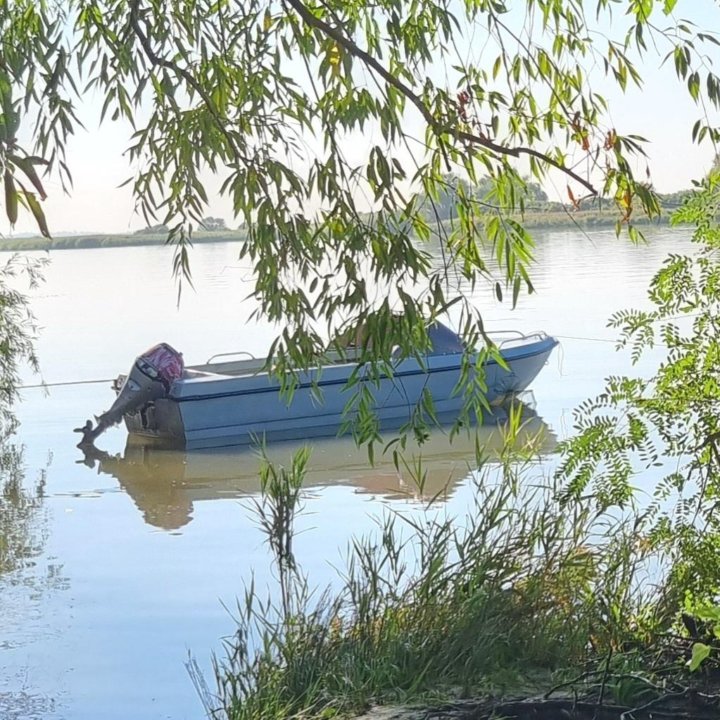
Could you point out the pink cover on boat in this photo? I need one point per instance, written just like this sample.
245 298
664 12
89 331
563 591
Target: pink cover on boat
166 360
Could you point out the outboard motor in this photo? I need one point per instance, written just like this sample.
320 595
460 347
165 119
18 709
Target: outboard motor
149 378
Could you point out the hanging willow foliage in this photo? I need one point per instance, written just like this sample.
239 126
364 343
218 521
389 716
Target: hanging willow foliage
335 124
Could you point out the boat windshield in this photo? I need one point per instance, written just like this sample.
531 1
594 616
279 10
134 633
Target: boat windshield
444 341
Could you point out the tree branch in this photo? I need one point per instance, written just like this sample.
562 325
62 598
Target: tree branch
416 100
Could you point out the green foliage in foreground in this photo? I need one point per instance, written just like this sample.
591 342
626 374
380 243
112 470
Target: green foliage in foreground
672 419
430 606
17 333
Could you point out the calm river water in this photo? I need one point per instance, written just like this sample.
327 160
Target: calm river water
121 568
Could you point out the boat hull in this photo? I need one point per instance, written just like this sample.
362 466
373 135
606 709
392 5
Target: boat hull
216 410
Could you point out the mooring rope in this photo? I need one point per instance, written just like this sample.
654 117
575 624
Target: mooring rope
67 382
589 339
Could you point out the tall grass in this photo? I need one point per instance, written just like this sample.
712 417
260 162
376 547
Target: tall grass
431 605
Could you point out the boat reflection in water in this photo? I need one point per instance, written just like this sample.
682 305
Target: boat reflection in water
165 482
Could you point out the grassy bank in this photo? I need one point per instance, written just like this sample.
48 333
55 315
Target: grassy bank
73 242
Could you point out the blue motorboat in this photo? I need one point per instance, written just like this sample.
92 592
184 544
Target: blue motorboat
232 400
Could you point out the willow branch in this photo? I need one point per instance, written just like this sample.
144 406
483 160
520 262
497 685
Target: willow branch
407 91
158 61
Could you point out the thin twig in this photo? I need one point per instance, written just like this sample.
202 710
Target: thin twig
651 703
571 683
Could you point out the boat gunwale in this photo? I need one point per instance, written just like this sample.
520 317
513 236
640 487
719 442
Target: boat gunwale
509 354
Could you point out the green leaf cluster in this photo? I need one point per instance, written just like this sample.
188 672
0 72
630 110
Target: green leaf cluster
670 423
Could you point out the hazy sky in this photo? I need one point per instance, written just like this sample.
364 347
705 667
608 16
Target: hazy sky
662 112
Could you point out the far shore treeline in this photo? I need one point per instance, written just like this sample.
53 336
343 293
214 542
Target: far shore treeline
539 214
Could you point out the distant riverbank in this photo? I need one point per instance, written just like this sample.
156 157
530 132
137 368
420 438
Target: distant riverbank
99 240
551 219
567 219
